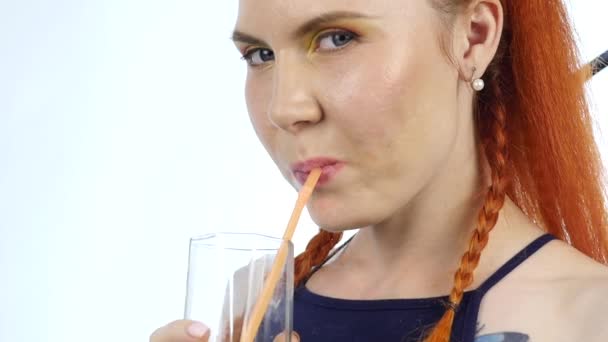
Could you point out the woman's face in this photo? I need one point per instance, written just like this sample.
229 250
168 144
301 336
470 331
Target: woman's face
359 87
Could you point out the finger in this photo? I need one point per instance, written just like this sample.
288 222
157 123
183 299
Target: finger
282 337
181 331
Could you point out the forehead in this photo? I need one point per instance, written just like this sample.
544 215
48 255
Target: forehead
258 13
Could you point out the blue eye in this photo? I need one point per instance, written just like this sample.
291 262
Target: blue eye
328 41
335 40
258 56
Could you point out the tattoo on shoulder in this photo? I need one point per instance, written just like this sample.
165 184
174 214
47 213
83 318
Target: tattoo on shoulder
504 337
509 336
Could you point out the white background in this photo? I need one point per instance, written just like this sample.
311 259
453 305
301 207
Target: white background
123 132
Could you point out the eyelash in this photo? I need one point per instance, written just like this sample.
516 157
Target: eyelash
248 54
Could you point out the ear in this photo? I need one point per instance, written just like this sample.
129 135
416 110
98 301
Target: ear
478 35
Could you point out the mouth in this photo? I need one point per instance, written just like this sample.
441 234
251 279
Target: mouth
329 169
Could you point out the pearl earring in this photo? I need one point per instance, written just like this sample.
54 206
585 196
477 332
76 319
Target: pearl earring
478 84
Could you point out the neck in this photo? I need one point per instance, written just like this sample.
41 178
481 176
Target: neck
428 232
426 238
395 257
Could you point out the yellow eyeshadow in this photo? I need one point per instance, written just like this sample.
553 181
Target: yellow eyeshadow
358 27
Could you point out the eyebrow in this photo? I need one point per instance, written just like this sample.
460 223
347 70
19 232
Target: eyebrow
305 28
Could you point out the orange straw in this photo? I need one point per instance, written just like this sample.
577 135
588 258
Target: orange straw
279 263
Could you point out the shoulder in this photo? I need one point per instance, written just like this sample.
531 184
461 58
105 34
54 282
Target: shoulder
588 309
582 294
559 294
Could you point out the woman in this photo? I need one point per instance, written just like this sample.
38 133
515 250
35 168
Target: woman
442 127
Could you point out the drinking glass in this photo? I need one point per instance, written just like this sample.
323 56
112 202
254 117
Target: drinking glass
226 273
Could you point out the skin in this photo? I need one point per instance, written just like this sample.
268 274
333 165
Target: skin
397 111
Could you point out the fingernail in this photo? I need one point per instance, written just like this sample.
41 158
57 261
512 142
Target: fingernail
197 330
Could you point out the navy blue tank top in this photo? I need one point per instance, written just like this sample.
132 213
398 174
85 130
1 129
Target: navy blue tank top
324 319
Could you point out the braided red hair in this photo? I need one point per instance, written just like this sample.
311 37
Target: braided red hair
551 153
536 132
316 251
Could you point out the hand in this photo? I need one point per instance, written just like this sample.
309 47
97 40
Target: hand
181 331
191 331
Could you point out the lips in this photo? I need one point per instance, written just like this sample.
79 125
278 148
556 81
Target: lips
329 169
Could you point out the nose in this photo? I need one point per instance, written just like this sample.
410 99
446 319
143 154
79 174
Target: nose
293 105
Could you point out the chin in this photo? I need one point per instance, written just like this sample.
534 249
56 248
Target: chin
329 222
336 221
336 229
334 211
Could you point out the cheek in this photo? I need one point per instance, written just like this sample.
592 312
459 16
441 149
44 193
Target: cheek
378 98
256 97
391 109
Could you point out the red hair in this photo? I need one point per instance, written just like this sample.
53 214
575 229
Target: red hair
536 134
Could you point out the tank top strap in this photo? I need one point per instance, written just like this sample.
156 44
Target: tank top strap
328 258
497 276
514 262
472 311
